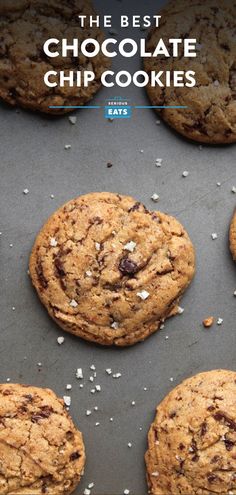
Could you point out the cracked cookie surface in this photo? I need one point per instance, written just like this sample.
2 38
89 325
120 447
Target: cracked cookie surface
41 451
232 236
25 25
192 441
110 271
211 113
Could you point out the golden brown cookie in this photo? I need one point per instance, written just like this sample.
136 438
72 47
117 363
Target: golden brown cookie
25 25
109 270
232 236
192 441
41 451
211 113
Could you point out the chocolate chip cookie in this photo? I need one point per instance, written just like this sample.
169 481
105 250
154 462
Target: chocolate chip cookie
109 270
192 441
211 113
232 236
41 451
25 25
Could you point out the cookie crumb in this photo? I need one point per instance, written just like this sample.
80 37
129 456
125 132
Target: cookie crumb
208 322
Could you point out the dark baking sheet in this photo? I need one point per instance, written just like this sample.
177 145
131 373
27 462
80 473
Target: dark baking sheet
33 157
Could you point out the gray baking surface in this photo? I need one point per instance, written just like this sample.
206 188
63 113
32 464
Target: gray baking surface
33 157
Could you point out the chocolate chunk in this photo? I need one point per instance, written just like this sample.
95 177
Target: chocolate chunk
212 477
229 444
44 413
41 278
203 429
74 456
59 267
135 207
128 267
226 420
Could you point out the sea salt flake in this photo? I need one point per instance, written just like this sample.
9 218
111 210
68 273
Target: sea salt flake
180 310
108 371
72 119
143 294
155 197
88 273
60 340
97 246
214 236
67 400
79 374
73 303
26 191
130 246
185 173
220 321
53 242
88 412
115 325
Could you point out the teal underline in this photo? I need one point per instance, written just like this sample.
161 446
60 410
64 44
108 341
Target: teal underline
133 106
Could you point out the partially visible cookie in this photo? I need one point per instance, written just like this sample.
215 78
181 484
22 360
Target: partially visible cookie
41 451
192 441
109 270
25 25
232 236
211 113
